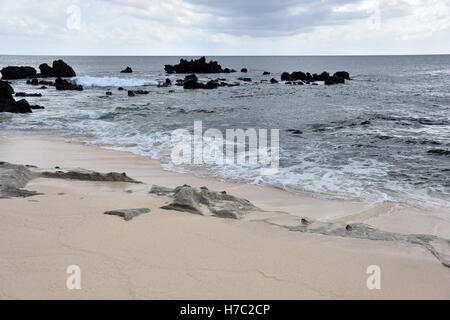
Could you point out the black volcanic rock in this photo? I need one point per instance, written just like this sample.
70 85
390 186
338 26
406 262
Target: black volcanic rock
295 76
266 73
14 73
191 82
59 69
166 83
244 70
211 85
132 93
127 70
285 76
62 69
5 84
196 66
338 77
64 85
273 80
24 94
8 104
343 74
46 71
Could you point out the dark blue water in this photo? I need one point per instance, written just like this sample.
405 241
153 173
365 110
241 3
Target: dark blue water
385 135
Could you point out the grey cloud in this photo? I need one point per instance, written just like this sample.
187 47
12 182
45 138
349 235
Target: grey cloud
273 18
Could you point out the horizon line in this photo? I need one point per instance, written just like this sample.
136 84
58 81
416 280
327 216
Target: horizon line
212 55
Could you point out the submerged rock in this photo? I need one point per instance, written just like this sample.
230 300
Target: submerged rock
14 73
128 214
440 152
132 93
205 202
295 131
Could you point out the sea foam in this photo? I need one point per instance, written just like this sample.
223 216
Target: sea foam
87 81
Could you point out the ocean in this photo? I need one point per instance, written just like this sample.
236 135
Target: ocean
383 136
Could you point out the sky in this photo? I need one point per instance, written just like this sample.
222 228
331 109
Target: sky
224 27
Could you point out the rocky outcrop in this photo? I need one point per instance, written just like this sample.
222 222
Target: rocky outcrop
128 214
59 69
205 202
14 73
64 85
127 70
196 66
87 175
13 178
191 82
244 70
273 80
338 77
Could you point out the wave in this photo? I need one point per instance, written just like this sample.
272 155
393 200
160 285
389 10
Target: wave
87 81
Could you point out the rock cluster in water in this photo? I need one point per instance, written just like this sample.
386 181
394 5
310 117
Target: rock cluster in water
59 69
302 77
197 66
9 104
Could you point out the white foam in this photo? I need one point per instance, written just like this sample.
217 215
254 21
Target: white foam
87 81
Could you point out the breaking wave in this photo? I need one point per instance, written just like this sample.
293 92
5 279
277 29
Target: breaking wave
87 81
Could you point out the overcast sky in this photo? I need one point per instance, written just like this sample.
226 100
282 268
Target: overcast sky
224 27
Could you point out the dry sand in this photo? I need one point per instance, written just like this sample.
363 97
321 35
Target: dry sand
175 255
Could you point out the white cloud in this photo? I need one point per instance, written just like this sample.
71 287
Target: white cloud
194 27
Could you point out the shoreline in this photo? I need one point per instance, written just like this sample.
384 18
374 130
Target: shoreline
431 220
169 254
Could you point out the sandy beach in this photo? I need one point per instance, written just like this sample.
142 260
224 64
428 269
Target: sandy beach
177 255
